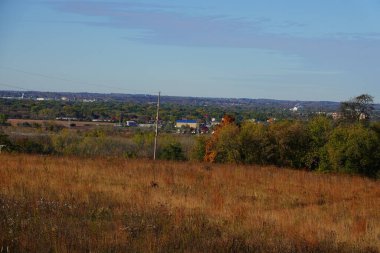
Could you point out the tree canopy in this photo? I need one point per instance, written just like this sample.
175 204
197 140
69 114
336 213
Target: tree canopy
358 108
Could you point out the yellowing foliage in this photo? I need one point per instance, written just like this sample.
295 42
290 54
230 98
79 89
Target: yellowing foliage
211 151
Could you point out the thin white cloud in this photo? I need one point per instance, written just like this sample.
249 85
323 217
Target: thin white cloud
340 53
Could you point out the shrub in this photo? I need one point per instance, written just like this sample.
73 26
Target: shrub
4 140
53 127
24 124
30 146
172 151
3 120
257 145
354 149
66 142
198 151
319 130
227 145
292 143
144 144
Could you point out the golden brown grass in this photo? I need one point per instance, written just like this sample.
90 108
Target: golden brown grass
67 204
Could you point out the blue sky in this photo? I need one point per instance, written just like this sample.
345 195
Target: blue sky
296 49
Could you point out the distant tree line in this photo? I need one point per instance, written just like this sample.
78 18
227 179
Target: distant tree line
141 112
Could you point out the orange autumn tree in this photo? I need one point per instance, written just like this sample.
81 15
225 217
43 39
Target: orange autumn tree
212 150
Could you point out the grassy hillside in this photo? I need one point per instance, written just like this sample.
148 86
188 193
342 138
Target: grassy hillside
71 204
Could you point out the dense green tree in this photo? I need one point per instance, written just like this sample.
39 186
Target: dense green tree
46 113
354 149
319 129
228 147
375 126
257 146
292 142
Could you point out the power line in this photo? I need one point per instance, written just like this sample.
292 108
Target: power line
74 81
12 86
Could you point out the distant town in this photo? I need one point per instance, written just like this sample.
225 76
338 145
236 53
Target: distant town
180 114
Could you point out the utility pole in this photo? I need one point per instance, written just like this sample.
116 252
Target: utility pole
157 116
121 119
154 184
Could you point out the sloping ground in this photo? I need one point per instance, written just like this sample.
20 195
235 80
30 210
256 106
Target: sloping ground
66 204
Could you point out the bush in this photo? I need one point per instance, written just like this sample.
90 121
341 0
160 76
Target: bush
354 149
24 124
30 146
227 144
93 143
3 120
143 142
292 142
172 151
53 127
198 151
7 144
257 145
66 142
319 130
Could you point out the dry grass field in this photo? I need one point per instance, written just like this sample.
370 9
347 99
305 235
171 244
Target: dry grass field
69 204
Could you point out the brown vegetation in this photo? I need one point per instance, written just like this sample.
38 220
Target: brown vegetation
210 152
15 122
71 204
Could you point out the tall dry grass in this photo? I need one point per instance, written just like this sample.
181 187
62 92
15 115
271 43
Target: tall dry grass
70 204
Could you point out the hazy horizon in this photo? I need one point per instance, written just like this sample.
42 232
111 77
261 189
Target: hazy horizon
294 50
163 95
